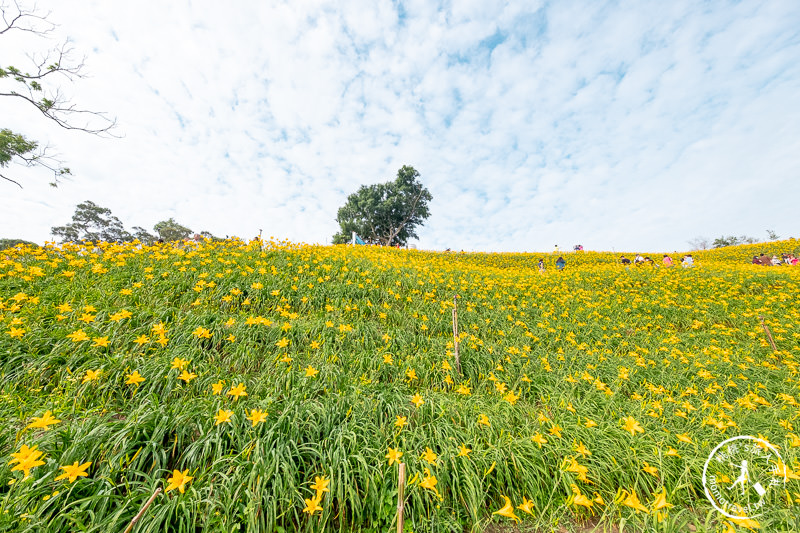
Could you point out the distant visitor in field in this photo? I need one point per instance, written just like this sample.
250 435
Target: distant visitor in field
541 266
687 261
560 263
667 261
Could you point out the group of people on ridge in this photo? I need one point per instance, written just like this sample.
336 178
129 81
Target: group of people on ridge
765 260
686 262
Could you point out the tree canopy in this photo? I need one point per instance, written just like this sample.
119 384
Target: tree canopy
169 230
36 86
732 240
385 213
94 223
10 243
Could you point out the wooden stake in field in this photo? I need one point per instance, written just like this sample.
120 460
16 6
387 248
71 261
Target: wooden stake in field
769 335
401 496
140 513
455 334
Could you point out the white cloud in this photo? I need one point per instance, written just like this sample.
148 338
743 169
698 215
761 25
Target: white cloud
626 127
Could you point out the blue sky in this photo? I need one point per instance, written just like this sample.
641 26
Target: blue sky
625 125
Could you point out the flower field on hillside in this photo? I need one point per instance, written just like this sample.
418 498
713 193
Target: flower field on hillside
276 387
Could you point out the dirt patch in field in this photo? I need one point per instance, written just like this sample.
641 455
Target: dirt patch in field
588 527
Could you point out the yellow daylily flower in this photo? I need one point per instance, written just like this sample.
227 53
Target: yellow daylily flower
43 422
507 510
527 506
394 456
238 391
178 480
257 416
223 416
74 471
631 425
632 500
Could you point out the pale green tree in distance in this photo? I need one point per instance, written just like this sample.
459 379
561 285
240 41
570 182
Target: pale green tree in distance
91 222
169 230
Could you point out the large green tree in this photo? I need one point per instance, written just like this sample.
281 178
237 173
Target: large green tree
385 213
37 86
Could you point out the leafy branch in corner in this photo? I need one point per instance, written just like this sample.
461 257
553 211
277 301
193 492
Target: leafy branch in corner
37 87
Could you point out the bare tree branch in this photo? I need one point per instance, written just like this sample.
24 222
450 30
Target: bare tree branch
46 66
18 18
39 89
53 163
12 181
411 213
53 110
53 104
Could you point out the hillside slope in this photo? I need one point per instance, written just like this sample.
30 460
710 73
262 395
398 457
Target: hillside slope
291 378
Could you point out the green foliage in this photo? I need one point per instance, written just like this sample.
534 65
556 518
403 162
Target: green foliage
144 236
169 230
209 235
385 213
10 243
731 240
92 223
13 145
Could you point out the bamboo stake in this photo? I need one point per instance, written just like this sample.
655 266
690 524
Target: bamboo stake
401 497
769 335
455 334
139 515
